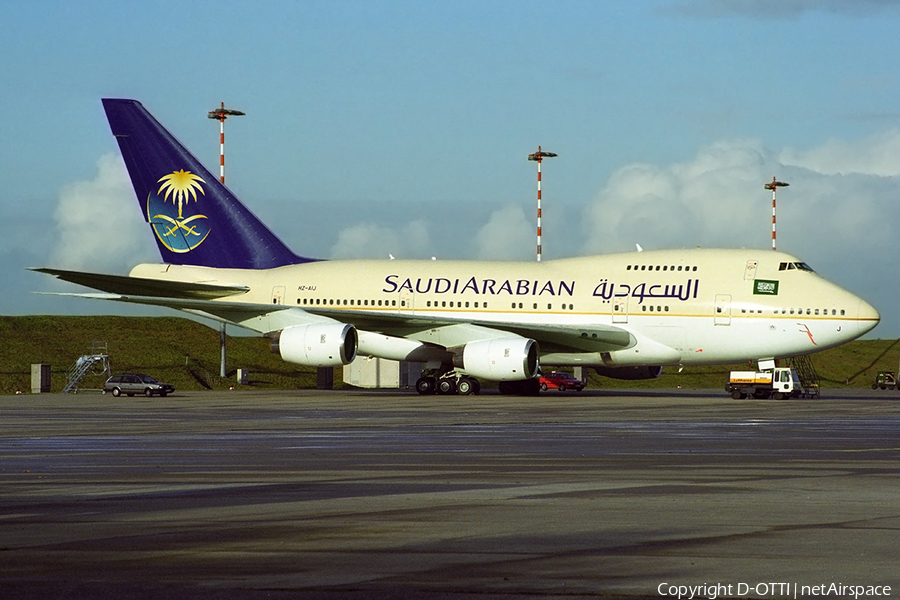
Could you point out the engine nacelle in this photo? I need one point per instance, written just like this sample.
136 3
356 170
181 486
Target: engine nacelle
504 359
630 373
317 345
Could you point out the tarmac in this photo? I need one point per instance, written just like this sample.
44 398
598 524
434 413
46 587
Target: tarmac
373 494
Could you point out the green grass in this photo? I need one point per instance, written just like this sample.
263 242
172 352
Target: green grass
186 354
179 351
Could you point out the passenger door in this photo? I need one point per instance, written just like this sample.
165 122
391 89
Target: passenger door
723 309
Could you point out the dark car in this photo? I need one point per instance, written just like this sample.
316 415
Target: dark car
136 383
558 380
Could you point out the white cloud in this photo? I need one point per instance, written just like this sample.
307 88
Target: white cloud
368 240
99 226
508 235
775 9
878 154
710 201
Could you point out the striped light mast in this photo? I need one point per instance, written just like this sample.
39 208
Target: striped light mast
773 186
220 114
538 157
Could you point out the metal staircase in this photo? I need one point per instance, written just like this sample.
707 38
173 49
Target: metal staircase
96 362
809 379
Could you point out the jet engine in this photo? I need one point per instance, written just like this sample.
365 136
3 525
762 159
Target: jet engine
317 345
503 359
630 373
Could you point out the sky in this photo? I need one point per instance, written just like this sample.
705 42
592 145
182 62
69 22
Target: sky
394 127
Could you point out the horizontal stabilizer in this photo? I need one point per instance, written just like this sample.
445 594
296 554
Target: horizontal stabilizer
137 286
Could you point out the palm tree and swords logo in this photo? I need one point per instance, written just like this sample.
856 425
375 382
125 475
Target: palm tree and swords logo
177 232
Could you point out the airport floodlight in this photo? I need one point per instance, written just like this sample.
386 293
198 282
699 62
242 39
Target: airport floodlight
773 186
220 114
538 157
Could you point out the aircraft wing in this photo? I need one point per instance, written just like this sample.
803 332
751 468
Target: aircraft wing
138 286
266 318
450 333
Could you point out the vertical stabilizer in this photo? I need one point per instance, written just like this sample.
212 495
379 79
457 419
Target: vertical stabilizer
195 219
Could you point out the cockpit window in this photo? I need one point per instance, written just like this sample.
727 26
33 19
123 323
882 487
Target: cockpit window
790 266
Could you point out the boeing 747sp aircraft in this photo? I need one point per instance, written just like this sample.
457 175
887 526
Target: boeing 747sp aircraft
625 315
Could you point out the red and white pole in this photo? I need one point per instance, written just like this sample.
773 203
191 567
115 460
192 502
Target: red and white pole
222 148
538 157
773 186
220 114
539 211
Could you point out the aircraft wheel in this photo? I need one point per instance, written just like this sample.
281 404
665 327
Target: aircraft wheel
446 387
466 386
425 385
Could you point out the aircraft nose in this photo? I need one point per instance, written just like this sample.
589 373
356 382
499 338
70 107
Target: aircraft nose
867 317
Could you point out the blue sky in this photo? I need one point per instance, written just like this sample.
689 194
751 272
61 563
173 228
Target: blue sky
403 127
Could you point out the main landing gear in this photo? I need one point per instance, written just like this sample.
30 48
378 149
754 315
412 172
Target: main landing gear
455 383
448 384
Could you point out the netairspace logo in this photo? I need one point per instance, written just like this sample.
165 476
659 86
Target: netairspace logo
711 591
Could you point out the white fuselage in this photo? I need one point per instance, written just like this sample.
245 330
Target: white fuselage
681 306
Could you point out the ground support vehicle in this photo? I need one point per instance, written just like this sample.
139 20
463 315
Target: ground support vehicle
779 383
885 379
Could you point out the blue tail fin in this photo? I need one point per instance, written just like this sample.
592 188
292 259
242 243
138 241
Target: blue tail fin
196 220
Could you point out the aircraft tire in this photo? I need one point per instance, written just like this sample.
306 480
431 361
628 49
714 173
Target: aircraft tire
466 386
446 387
425 385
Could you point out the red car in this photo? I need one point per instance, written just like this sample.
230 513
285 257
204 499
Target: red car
560 381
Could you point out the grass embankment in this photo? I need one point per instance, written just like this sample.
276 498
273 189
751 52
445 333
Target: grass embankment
186 354
179 351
